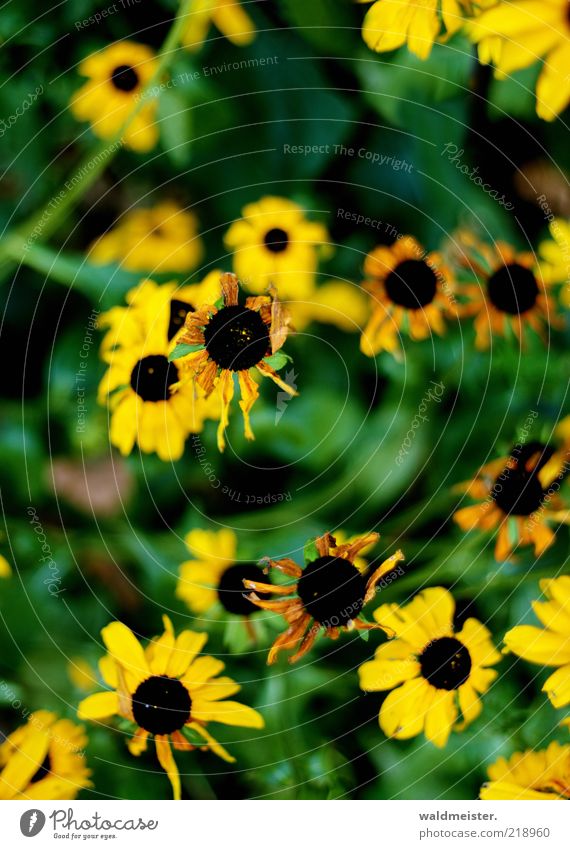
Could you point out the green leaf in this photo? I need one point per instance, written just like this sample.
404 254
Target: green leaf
278 360
181 350
310 550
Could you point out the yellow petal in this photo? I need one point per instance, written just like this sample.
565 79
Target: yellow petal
230 713
126 649
99 706
167 762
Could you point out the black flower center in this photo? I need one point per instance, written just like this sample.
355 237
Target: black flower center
43 770
276 240
513 289
231 589
125 78
161 704
445 663
517 493
152 378
411 284
332 590
236 338
178 312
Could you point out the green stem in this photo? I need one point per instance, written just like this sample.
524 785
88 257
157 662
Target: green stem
90 168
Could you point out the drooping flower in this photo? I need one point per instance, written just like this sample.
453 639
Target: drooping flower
228 338
157 240
509 291
519 496
44 759
410 290
167 692
117 76
274 244
328 594
550 644
436 675
530 776
514 35
228 16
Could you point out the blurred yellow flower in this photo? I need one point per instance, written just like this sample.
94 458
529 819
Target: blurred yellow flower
5 568
530 776
227 16
274 244
549 645
418 23
215 574
44 759
336 302
514 35
117 75
157 240
555 257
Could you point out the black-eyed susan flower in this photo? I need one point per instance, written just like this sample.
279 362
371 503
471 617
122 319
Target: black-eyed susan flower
274 244
168 692
554 256
509 292
418 23
149 403
436 675
117 76
531 775
514 35
160 239
410 290
219 342
215 576
327 595
519 496
228 16
550 644
44 759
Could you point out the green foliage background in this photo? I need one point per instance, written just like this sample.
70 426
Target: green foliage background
222 146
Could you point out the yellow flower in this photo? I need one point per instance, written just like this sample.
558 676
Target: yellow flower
117 75
328 593
434 673
44 759
391 23
509 291
226 15
409 290
549 645
234 339
5 568
168 692
517 494
149 403
335 302
555 257
529 776
162 239
514 35
275 245
215 575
